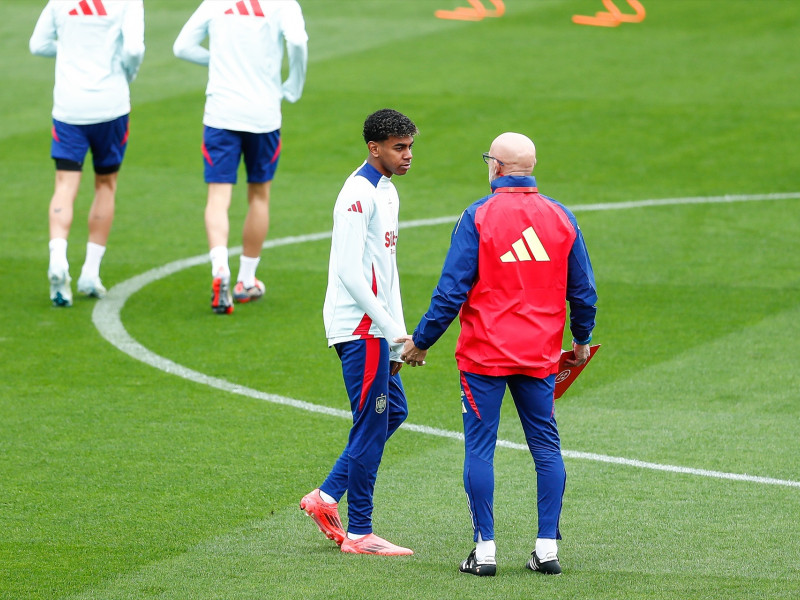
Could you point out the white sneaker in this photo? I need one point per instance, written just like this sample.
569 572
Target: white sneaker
91 286
60 289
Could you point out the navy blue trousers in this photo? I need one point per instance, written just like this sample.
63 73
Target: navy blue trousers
481 399
379 407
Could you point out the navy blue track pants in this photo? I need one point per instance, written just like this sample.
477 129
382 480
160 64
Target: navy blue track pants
481 399
379 407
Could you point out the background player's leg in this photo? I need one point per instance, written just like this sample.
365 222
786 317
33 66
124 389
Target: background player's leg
217 228
108 142
256 223
62 203
216 216
60 220
261 154
101 214
101 218
221 156
254 232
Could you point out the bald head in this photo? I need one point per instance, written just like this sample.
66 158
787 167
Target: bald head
516 152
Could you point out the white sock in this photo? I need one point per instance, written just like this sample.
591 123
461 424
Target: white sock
546 547
58 254
355 536
247 270
94 254
219 261
485 550
327 497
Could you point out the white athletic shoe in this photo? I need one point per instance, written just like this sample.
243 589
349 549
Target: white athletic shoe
60 289
548 566
91 286
242 294
221 298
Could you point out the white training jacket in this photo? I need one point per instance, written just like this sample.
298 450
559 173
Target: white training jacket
363 295
246 39
98 46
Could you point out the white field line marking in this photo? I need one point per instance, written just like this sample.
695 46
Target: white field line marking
107 319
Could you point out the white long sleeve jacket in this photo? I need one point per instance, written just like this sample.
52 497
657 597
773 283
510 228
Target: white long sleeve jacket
244 60
363 295
98 46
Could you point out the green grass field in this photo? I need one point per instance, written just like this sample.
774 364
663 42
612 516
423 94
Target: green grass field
173 469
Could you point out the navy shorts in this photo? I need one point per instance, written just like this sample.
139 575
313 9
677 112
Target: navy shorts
107 141
223 150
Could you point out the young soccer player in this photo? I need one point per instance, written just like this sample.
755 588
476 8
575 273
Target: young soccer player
363 313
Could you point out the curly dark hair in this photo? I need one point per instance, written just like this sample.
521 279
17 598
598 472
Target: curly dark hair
386 122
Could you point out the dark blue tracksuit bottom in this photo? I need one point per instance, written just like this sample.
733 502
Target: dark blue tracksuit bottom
481 398
379 407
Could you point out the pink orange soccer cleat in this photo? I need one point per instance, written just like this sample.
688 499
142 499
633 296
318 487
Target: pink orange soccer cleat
372 544
325 515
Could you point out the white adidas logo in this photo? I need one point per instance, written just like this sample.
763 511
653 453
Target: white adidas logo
521 252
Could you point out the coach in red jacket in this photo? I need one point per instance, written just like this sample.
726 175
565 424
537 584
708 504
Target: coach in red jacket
516 258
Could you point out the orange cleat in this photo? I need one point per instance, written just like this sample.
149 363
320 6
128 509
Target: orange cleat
325 515
372 544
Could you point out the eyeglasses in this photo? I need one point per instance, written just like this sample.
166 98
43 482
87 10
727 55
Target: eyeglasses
487 158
